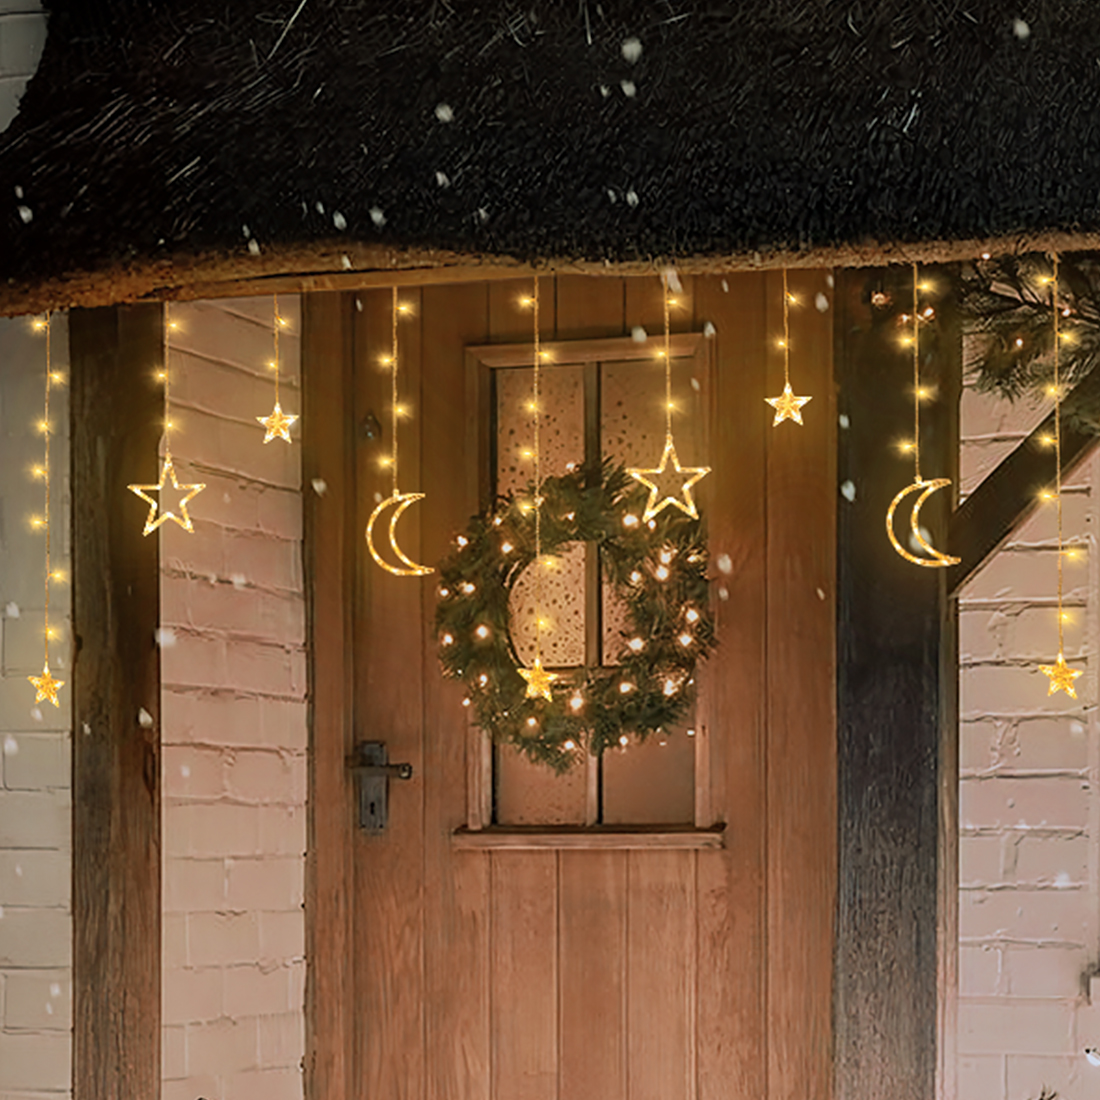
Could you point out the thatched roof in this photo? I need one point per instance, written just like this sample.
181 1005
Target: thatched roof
162 143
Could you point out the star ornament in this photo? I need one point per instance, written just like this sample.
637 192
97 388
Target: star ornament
538 680
277 424
1061 676
46 686
668 474
167 473
787 406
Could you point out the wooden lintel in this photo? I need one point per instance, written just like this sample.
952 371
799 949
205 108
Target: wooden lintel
116 420
1008 496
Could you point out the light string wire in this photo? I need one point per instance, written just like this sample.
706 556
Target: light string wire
537 410
393 392
668 365
278 325
1057 443
167 387
786 332
46 478
916 379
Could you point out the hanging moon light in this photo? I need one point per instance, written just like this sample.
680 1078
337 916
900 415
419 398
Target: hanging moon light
411 568
936 558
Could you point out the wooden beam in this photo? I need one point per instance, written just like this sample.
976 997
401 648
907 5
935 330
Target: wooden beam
896 701
1007 497
328 443
117 416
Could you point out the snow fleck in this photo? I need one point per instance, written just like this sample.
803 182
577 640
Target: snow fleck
36 714
246 232
359 305
55 989
442 179
848 491
1062 881
254 246
820 593
632 197
185 771
725 287
85 729
611 194
605 91
377 498
145 719
724 563
444 112
843 421
632 49
11 746
166 637
630 89
638 334
829 280
695 385
822 303
19 870
18 191
723 592
319 207
320 486
673 280
12 610
238 580
345 262
916 546
1020 29
709 329
377 216
482 215
339 220
26 213
49 1009
1077 729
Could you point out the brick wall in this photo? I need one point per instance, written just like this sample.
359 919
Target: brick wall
233 668
22 36
35 849
1028 904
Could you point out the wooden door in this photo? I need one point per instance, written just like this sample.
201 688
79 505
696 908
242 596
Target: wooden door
456 958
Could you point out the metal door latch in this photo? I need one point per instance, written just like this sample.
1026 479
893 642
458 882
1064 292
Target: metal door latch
372 770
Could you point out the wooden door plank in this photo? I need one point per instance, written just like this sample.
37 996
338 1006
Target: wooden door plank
388 956
117 416
661 976
801 663
589 307
456 885
330 545
731 1028
592 964
524 976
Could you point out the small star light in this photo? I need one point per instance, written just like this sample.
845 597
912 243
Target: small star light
660 481
1061 677
278 423
47 687
153 521
787 405
538 680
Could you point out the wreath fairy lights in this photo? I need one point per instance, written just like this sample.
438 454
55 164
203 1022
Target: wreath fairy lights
658 570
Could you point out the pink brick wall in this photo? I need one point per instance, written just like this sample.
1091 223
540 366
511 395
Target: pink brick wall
233 667
1029 910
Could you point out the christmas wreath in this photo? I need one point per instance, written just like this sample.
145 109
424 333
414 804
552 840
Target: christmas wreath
658 570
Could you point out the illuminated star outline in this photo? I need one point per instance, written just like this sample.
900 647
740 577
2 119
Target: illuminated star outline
167 472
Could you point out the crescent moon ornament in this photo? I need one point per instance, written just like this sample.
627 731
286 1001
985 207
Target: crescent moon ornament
408 567
936 559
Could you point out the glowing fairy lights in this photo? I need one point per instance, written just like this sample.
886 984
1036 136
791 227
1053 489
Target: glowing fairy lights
277 422
787 405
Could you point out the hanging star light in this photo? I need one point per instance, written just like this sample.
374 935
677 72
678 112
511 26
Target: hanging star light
168 469
46 687
788 406
277 423
658 480
538 680
1061 676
